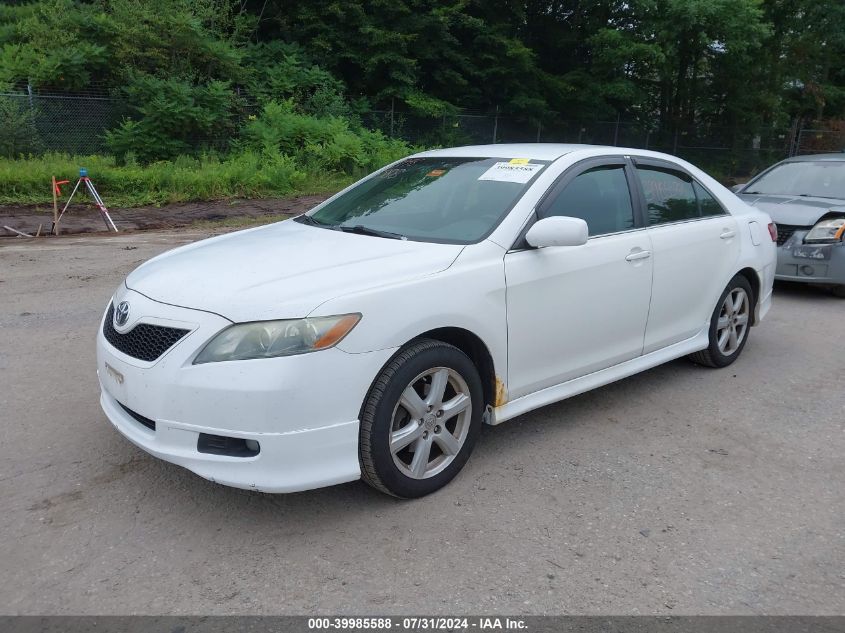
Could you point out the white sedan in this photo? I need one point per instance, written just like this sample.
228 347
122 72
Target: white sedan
371 337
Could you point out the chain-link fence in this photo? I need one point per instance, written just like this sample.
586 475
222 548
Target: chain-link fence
34 123
817 137
721 149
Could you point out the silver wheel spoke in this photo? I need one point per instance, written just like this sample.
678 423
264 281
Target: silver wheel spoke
422 449
412 402
447 442
733 339
723 339
723 322
439 380
404 436
738 301
456 405
742 319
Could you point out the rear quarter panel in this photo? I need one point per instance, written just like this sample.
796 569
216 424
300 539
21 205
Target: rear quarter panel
758 251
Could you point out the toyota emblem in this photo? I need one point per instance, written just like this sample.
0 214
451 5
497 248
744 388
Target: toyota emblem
121 314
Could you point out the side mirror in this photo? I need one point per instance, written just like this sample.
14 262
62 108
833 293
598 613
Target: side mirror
736 188
557 231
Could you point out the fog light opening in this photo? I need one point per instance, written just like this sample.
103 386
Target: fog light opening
229 446
808 270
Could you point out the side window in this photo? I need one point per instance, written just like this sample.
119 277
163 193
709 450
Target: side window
600 197
707 204
669 195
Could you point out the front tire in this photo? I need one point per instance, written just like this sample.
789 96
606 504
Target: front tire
421 420
729 325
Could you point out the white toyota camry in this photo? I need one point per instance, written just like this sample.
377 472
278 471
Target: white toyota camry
371 337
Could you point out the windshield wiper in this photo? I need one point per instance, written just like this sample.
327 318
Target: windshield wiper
365 230
307 219
358 228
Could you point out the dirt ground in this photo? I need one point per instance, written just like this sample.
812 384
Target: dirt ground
85 218
681 490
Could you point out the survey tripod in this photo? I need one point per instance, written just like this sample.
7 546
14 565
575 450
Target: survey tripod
83 178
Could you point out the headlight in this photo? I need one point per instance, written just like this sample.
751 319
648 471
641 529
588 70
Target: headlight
269 339
826 230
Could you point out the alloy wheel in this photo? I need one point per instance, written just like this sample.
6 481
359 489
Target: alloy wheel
734 318
430 423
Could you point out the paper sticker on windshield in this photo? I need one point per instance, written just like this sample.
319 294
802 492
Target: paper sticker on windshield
520 161
508 172
434 173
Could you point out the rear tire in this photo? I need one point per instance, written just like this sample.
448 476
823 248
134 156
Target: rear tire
729 325
420 420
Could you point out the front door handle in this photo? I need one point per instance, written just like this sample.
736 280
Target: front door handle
727 234
637 254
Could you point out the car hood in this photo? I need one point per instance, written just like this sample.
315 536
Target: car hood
798 211
283 270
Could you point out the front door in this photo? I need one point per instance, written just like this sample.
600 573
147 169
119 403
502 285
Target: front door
575 310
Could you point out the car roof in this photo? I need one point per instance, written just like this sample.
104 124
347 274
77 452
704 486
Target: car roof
537 151
816 157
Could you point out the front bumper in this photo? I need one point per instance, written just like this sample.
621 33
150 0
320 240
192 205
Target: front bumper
302 410
817 264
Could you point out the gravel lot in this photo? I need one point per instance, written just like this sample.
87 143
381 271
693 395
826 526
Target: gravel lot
679 491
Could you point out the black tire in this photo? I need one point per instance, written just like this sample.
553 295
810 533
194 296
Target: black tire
713 356
378 468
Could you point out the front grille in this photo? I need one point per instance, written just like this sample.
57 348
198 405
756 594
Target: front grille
144 341
150 424
785 231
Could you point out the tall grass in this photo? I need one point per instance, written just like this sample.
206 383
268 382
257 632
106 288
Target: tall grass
281 152
248 174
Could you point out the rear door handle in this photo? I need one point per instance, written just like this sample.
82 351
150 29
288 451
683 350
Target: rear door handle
639 254
728 234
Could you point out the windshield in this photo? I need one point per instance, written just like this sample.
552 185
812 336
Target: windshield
823 179
453 200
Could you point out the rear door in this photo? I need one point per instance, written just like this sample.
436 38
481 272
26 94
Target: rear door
695 245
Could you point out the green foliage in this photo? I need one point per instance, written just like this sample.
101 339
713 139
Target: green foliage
293 78
282 71
53 44
172 117
246 175
18 134
188 39
433 56
319 143
426 105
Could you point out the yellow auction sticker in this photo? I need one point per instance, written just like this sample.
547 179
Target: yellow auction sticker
519 161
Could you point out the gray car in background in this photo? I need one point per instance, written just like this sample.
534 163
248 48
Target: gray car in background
805 196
